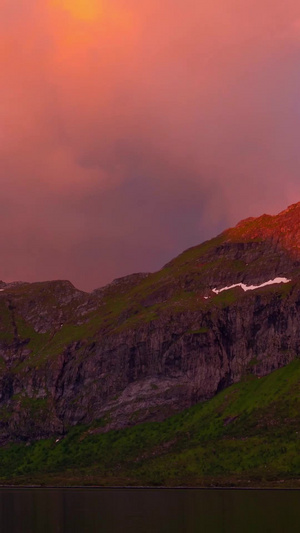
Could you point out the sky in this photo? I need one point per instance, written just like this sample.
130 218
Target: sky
132 130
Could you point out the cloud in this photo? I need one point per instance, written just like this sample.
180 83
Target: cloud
132 130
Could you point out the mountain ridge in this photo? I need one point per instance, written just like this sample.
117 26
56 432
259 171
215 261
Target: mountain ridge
231 233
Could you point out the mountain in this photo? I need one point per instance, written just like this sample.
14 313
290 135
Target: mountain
150 345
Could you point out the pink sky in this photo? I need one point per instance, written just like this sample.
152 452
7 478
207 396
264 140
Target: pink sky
131 130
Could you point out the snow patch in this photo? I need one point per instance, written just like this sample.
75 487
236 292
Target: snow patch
252 287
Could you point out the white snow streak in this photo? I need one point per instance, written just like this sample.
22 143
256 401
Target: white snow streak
252 287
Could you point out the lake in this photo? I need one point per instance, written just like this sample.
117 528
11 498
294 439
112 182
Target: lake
148 511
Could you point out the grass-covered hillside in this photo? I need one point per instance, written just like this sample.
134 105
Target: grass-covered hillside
247 435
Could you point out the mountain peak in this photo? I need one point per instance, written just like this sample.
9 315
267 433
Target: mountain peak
291 207
283 228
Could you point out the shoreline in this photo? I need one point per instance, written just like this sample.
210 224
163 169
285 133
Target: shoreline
143 487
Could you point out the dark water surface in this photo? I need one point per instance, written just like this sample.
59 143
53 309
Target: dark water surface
148 510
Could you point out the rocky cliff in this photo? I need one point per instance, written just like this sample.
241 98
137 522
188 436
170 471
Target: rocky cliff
151 344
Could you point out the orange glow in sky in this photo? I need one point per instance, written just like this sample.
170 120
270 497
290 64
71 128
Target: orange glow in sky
81 9
115 113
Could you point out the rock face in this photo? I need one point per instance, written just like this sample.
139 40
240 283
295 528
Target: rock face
150 344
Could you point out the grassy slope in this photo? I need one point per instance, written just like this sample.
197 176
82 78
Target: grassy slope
248 435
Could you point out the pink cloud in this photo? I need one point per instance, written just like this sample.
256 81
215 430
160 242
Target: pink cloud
188 101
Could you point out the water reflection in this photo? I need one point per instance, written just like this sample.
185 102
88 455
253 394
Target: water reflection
148 511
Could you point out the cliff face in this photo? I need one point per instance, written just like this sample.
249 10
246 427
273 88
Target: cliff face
150 344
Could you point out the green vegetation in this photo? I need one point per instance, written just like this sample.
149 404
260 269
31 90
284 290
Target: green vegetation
226 298
196 252
249 435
